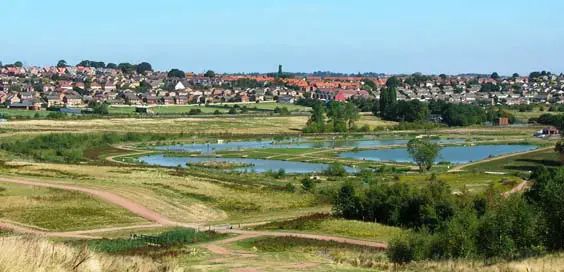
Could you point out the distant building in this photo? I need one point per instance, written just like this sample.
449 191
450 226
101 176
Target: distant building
503 121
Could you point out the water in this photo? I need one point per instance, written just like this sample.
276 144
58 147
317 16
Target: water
260 166
294 143
452 154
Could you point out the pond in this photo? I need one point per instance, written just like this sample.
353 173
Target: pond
452 154
292 143
259 166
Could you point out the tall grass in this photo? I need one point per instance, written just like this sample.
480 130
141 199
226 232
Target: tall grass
26 254
179 236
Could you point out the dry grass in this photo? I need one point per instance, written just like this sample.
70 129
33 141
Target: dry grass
59 210
185 199
553 262
261 125
23 254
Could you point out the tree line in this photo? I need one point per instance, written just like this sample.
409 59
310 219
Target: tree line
442 225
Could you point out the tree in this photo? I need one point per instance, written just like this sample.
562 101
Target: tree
388 102
176 73
316 123
111 66
61 64
144 67
308 185
424 152
210 74
494 75
515 75
412 111
347 204
18 64
126 68
443 76
393 82
99 108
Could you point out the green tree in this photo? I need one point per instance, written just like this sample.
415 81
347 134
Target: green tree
347 204
515 75
308 185
111 66
61 64
18 64
494 75
210 74
388 103
393 82
143 67
176 73
316 123
424 152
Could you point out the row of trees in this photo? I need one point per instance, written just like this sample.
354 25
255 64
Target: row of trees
446 226
389 108
125 67
332 117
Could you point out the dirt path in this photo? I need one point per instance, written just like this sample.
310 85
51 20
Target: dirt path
20 229
460 167
160 220
519 188
107 196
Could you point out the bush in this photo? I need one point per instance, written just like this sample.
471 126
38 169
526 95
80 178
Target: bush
335 170
308 185
194 111
290 187
400 251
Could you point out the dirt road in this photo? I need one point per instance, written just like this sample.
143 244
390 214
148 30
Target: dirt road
159 219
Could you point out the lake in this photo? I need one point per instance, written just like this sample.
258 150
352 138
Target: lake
293 143
260 166
452 154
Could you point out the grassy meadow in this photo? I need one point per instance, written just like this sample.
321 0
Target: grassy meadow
58 210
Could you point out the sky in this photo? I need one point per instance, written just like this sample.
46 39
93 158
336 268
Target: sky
400 36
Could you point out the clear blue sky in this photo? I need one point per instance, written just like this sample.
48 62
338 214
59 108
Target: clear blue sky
400 36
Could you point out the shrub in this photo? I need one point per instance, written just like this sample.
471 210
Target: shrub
290 187
308 185
335 170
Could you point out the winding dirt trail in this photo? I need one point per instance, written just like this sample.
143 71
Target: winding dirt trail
160 221
106 196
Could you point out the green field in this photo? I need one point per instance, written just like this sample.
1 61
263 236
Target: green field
324 224
22 113
519 164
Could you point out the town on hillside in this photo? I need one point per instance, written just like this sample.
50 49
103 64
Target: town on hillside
65 86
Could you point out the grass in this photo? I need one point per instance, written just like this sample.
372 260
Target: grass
519 164
325 224
220 125
59 210
22 113
342 256
23 254
184 109
473 182
144 243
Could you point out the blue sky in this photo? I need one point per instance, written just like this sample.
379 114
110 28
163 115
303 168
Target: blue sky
400 36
